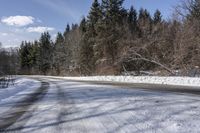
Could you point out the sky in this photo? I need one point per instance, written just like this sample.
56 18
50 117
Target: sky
26 19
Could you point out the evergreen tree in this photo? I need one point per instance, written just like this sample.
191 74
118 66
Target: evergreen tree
112 36
86 56
157 17
34 52
95 13
89 38
28 56
86 47
144 15
24 52
45 53
113 10
145 22
74 26
83 25
132 19
67 30
110 29
59 56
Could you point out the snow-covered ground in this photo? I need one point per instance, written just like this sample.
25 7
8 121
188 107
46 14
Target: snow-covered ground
178 81
75 107
72 107
16 92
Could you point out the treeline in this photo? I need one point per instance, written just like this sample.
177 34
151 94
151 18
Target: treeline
113 40
9 63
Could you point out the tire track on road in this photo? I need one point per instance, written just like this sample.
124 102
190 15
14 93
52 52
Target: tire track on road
21 107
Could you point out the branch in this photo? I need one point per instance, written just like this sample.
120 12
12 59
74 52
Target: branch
154 62
140 57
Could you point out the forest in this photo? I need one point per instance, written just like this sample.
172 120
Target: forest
112 40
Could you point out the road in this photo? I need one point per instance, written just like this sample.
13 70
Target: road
75 107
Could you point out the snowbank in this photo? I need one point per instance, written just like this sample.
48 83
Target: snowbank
178 81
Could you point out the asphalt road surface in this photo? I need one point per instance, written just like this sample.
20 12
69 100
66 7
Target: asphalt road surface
76 107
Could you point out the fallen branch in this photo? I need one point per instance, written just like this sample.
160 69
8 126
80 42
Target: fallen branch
140 57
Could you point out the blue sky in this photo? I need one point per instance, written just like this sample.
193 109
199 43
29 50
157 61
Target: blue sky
26 19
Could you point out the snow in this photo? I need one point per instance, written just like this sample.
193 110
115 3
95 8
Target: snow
14 93
177 81
74 107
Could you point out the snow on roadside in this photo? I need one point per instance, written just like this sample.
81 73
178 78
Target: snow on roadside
12 94
178 81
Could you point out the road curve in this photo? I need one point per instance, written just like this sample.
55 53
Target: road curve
21 107
75 107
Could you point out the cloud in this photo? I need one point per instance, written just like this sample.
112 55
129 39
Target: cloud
40 29
18 20
4 34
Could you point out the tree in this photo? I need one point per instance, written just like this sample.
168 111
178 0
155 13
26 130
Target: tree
109 29
89 34
33 56
86 56
194 9
95 13
114 39
113 10
25 56
86 47
74 26
67 46
59 53
157 17
187 44
45 53
8 62
132 19
83 25
144 22
67 30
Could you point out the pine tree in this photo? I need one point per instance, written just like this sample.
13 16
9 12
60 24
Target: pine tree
83 25
74 26
34 52
59 55
45 53
113 10
67 30
89 37
132 19
157 17
24 55
86 47
144 15
95 13
86 56
145 22
110 29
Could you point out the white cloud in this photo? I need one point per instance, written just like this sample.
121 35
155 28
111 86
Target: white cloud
40 29
18 20
4 34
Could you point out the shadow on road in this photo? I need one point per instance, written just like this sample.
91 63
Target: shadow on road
97 108
21 107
